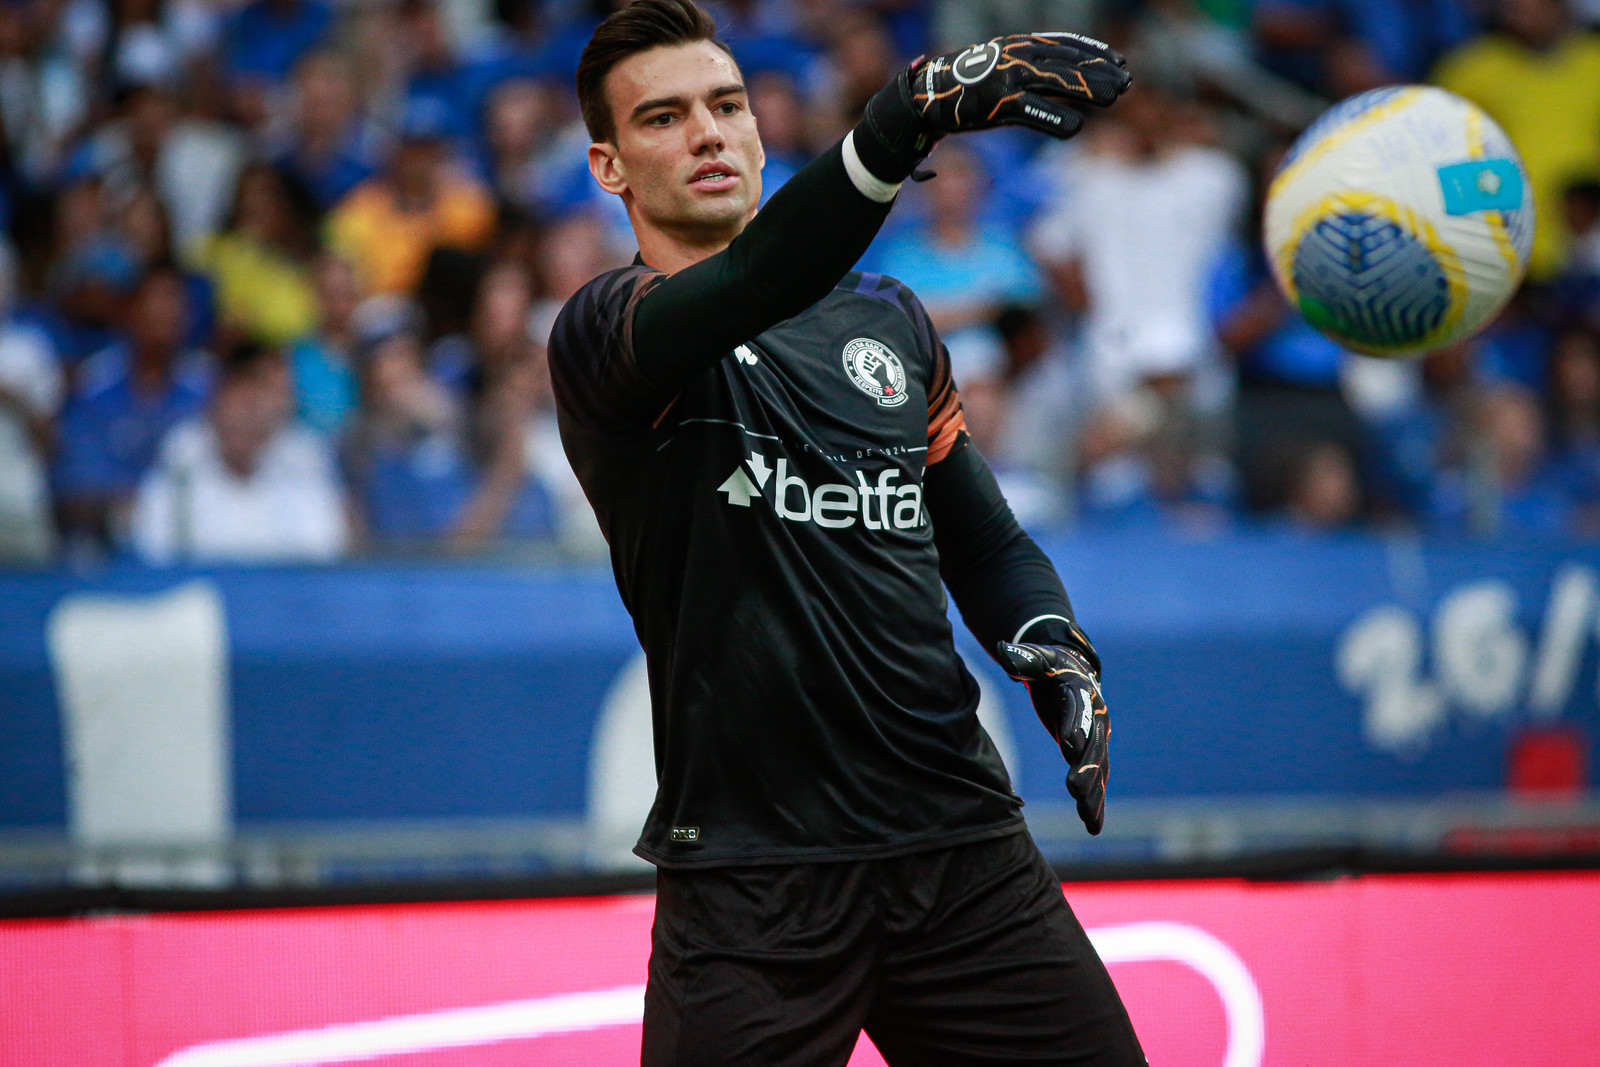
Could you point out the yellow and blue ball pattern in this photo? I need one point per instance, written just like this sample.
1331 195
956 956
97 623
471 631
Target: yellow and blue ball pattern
1400 221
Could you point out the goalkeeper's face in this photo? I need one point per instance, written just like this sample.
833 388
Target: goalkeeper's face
686 157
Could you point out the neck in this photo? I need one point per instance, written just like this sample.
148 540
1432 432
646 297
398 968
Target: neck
671 250
150 369
318 140
338 333
412 197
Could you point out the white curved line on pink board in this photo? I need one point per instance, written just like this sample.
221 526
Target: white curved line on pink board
1213 959
457 1028
569 1012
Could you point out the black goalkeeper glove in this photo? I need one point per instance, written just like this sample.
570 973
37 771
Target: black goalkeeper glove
1026 79
1065 688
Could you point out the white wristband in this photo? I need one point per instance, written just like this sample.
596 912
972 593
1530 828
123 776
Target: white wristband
871 186
1017 640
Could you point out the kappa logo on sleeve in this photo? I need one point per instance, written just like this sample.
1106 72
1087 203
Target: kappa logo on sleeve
876 371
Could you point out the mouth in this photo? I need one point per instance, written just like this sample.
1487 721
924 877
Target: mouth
713 177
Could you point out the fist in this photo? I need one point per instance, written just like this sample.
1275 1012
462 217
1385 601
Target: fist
1027 79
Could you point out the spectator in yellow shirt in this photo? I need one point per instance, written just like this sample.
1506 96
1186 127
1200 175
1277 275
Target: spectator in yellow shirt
389 224
1539 78
260 264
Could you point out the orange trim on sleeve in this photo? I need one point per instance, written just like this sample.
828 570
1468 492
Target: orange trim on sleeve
945 421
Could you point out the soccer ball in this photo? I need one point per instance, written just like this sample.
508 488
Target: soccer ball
1400 221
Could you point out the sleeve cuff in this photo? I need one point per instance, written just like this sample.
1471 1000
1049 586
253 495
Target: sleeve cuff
868 184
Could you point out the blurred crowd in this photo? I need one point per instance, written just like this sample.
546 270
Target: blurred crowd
278 275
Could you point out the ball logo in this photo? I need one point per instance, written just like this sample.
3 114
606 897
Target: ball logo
876 371
975 63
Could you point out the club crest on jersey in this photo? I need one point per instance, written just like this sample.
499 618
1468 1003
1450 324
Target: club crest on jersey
876 371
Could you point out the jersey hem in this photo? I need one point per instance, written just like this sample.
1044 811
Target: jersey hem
888 850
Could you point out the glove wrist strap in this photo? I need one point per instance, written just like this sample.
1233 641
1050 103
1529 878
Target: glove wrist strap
891 138
1056 630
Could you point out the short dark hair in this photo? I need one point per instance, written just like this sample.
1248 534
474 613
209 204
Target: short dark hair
636 28
1585 191
247 359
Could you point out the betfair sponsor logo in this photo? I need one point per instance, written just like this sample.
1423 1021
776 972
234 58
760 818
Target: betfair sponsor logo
874 501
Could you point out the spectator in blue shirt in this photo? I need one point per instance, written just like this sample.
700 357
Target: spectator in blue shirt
128 397
1292 424
964 273
780 113
1271 342
1515 346
514 47
268 37
510 385
1574 404
90 285
1507 482
1298 444
1341 47
143 222
1577 291
322 363
518 131
440 86
405 455
332 147
568 36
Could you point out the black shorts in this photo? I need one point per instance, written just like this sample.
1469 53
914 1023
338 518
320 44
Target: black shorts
963 955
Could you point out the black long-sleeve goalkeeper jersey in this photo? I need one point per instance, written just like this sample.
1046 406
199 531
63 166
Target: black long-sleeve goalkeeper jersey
770 534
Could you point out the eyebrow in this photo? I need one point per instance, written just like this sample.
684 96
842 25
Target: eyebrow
677 101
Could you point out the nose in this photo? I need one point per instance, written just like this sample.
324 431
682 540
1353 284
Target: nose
704 133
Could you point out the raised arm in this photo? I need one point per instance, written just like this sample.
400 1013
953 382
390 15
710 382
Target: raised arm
814 229
797 248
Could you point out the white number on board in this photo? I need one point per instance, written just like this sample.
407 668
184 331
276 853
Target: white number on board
1481 658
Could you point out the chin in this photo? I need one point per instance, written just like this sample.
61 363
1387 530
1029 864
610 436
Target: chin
715 214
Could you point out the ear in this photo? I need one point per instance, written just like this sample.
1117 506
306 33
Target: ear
607 168
761 162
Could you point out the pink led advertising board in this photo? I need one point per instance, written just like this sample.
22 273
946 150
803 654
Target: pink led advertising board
1454 970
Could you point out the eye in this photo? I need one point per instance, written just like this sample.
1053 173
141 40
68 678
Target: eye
664 118
729 107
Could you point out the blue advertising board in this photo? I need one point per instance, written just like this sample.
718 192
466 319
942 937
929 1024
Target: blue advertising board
1264 665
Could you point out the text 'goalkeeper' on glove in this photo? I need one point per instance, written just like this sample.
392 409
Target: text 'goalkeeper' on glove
1066 697
1026 79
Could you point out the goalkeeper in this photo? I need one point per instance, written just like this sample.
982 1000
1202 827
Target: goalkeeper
775 450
